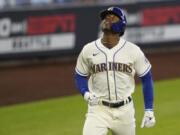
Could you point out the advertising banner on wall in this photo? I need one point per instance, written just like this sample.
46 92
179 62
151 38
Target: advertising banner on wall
64 31
154 25
46 32
30 33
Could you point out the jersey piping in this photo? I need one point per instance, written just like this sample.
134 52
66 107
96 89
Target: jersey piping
144 73
77 71
106 71
114 70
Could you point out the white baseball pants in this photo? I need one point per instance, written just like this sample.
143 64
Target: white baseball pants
100 118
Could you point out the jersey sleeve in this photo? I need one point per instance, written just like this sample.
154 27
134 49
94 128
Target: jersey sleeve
142 64
82 64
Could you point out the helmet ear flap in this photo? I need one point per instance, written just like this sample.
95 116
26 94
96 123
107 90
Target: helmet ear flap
119 27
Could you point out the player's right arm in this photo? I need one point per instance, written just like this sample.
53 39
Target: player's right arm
81 83
81 78
82 72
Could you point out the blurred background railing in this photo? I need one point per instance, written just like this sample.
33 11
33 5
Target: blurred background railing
17 3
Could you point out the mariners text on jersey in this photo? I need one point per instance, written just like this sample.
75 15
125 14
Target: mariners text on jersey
111 66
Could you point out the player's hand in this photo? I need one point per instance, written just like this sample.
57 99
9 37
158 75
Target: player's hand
148 119
91 98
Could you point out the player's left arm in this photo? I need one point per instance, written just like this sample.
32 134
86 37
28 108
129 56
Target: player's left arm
148 93
143 70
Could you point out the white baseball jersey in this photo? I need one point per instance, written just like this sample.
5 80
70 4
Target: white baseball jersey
111 71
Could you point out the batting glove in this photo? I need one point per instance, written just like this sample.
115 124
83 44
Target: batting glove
148 119
91 98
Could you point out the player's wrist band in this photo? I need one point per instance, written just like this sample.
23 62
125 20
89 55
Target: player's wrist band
148 109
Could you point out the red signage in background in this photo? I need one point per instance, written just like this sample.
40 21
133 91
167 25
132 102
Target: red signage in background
51 24
61 31
37 33
161 15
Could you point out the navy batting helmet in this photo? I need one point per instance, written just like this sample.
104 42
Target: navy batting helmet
118 27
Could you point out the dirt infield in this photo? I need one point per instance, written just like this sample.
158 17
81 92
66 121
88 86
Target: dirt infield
27 83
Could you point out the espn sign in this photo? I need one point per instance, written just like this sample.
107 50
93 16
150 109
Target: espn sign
33 33
51 24
35 25
161 15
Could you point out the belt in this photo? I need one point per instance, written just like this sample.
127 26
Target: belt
117 104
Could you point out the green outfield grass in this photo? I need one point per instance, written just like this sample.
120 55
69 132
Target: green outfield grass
65 116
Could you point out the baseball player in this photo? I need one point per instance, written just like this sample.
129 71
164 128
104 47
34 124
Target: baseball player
104 75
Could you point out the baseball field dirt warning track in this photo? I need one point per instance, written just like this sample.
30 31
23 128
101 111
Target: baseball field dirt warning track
27 83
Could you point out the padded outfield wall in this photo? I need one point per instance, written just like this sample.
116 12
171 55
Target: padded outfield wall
62 31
